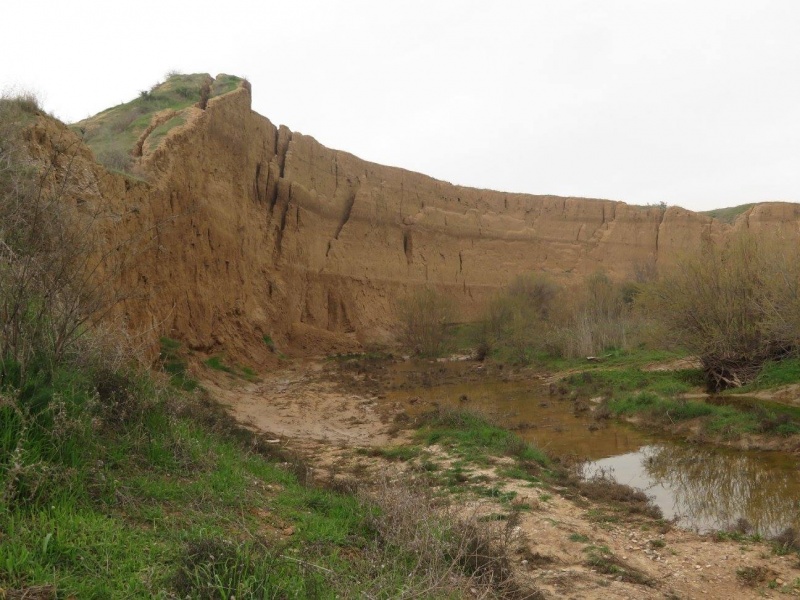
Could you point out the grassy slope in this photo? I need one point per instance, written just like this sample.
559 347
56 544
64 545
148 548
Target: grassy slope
112 134
112 487
729 214
150 494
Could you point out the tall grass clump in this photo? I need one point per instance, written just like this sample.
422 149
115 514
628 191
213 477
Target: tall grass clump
735 305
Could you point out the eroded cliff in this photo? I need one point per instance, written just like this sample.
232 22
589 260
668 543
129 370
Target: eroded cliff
243 230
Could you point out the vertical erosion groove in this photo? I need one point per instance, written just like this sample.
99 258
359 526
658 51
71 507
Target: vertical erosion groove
282 226
348 208
408 247
257 185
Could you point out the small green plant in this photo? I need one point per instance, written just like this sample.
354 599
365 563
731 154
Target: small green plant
399 453
249 374
578 537
216 567
753 576
602 560
728 420
175 365
475 438
215 362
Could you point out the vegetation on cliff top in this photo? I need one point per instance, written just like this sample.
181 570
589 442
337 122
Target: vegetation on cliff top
728 214
116 134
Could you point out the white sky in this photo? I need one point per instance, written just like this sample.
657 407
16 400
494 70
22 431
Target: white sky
695 103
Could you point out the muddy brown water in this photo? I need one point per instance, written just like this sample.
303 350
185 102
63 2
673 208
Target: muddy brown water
701 487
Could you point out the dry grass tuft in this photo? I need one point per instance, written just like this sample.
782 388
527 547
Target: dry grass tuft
453 553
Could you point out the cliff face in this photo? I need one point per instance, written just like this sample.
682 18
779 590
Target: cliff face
244 230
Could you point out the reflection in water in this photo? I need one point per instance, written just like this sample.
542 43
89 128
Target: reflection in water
711 488
705 487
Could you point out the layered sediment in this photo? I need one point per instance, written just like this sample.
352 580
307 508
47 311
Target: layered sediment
244 229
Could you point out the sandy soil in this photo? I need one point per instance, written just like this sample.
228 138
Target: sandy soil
317 409
303 407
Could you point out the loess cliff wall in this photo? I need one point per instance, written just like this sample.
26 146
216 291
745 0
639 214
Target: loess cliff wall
243 229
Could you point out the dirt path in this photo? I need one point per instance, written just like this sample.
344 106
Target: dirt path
327 414
303 406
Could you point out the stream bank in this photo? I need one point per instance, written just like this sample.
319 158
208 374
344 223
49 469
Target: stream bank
568 544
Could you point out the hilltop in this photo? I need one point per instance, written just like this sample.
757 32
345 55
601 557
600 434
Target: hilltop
122 133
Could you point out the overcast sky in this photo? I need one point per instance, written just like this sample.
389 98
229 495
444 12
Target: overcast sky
694 103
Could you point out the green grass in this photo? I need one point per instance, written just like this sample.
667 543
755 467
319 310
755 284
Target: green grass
601 559
248 373
269 342
173 361
725 420
474 438
398 453
613 358
113 488
495 492
216 363
160 132
112 134
517 472
729 214
773 374
614 381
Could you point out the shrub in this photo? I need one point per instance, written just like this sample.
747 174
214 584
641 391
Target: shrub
55 273
25 102
736 306
593 319
115 159
424 316
535 315
516 320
